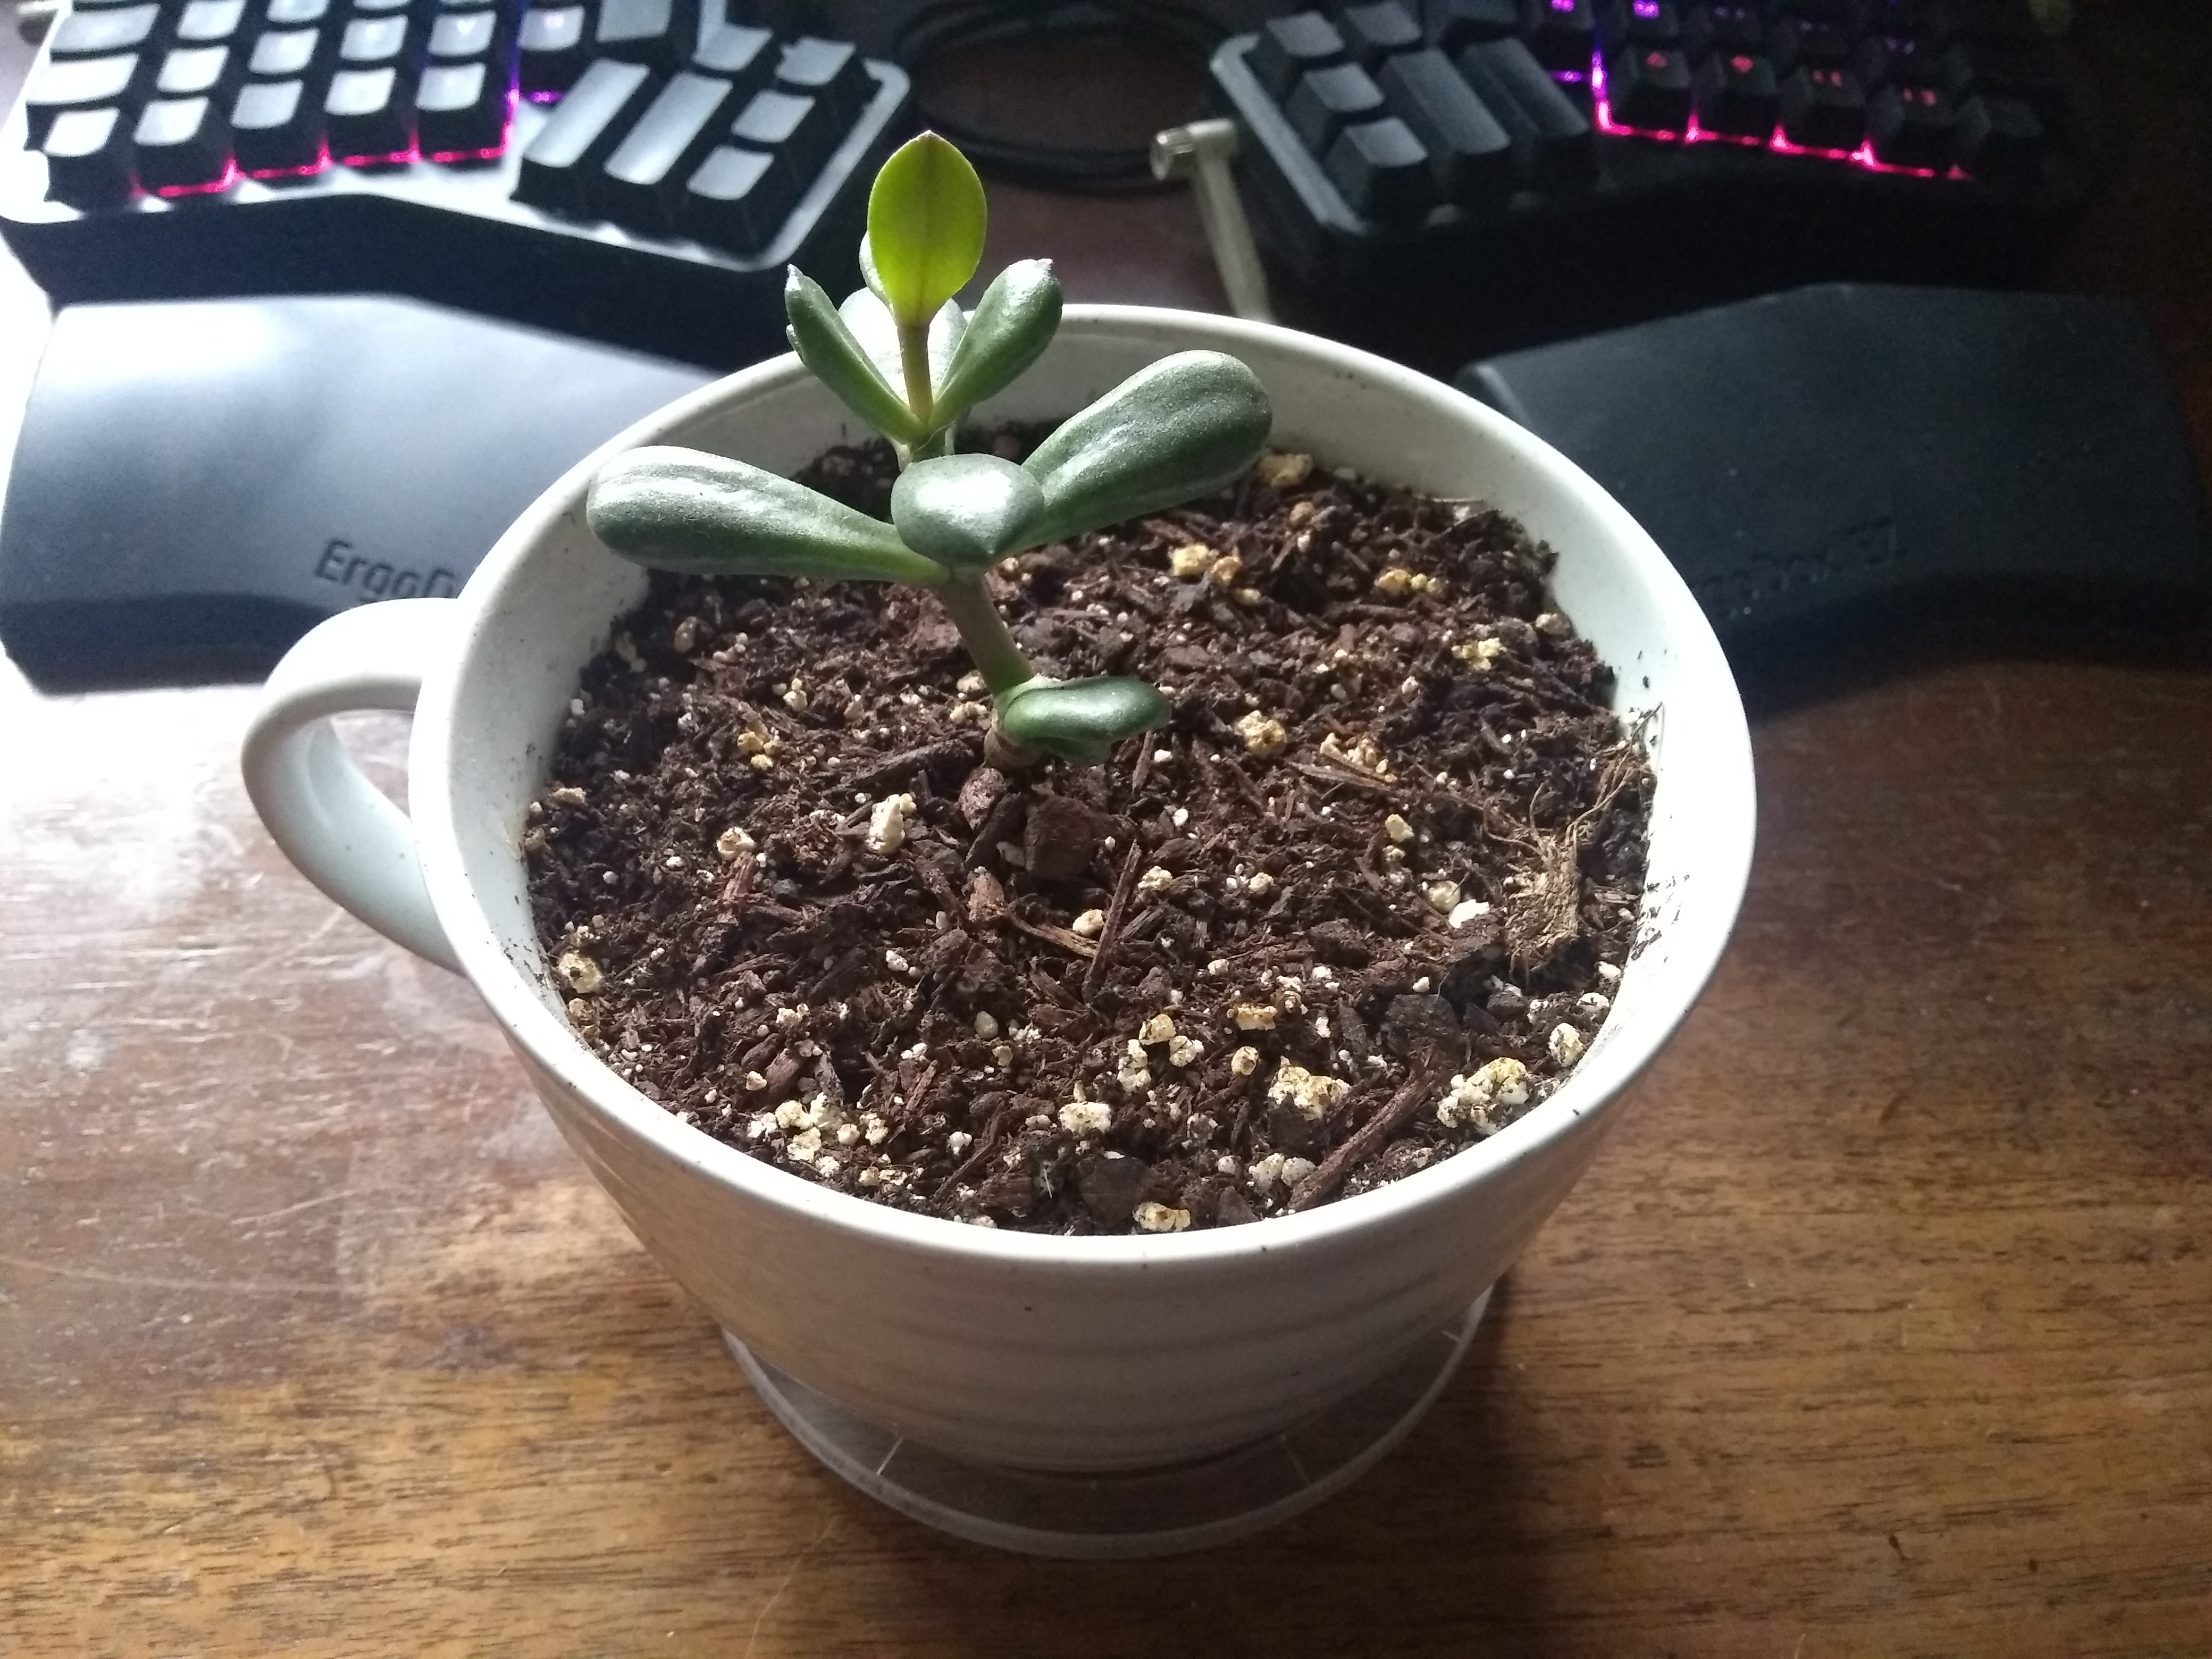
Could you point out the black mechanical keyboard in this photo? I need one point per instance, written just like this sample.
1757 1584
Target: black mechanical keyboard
634 171
1633 156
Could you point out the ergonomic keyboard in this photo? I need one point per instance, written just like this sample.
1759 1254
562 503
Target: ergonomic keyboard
634 171
1643 154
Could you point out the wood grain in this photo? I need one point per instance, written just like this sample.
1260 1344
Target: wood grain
1883 1326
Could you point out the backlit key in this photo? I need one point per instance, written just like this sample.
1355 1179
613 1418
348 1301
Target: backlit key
180 143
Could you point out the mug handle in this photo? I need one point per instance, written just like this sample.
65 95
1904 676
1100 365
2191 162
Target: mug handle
344 834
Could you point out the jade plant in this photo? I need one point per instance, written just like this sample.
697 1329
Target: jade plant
902 355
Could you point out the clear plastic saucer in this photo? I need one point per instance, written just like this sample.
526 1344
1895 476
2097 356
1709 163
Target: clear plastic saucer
1144 1512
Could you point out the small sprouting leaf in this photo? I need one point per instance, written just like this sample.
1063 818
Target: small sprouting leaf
1080 720
869 276
1008 331
871 324
827 345
1175 429
965 510
682 509
925 218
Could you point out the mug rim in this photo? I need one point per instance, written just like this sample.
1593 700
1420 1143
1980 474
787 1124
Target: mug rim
548 1042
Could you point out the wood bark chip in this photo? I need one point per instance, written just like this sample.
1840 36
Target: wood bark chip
1370 1138
1124 886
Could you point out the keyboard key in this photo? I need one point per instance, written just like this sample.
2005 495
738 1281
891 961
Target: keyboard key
658 33
1382 170
460 112
746 58
737 200
1375 32
374 43
96 34
1824 109
369 114
1327 101
180 143
2012 21
1649 90
2000 141
1797 44
459 35
590 121
1466 21
1551 140
1562 34
192 71
1737 95
642 183
1626 23
1927 20
1726 26
66 83
1890 60
380 7
276 126
209 23
89 158
551 40
296 13
1911 127
828 70
1289 48
795 131
2030 74
287 55
1470 153
1843 14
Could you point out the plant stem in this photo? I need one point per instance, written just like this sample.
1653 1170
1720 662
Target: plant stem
913 363
983 631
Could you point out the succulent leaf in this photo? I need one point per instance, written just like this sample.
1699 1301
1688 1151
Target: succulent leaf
682 509
870 323
925 219
1079 720
965 510
1175 429
828 346
1008 331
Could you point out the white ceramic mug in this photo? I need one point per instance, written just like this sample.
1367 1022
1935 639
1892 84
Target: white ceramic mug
1095 1354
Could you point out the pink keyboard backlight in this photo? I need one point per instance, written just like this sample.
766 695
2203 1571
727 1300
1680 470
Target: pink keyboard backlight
1862 158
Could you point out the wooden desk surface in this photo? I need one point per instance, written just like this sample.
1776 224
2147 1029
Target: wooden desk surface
1883 1326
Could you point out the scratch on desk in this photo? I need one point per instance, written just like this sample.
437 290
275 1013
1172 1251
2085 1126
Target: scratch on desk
150 1281
290 1209
777 1595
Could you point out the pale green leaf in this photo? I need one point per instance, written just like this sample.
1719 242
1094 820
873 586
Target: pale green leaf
925 219
965 510
1008 331
871 324
827 346
1080 720
682 509
1185 425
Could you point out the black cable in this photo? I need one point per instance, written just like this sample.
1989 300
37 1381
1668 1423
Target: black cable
946 27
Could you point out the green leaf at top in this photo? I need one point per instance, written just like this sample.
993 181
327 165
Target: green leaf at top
1080 720
683 509
926 217
827 345
1008 331
1184 425
965 510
